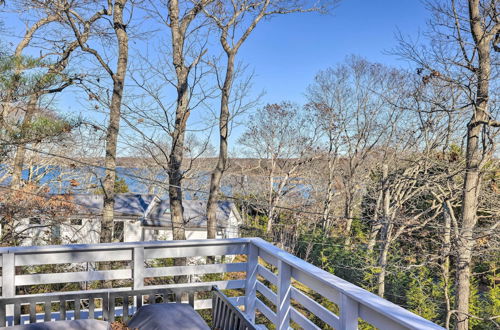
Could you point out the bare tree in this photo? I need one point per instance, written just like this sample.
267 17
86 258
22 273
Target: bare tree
324 95
184 72
470 33
236 20
179 28
283 140
351 103
80 27
484 20
411 172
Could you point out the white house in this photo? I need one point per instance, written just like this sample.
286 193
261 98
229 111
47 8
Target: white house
137 217
156 223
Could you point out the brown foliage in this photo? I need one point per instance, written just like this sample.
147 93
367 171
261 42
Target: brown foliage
31 201
117 325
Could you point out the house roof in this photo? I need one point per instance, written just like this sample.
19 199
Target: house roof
133 205
136 205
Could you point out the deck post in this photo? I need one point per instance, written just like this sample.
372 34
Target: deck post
8 280
251 280
284 292
348 313
138 267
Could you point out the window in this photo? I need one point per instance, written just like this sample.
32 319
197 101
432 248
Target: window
35 221
56 231
118 227
76 222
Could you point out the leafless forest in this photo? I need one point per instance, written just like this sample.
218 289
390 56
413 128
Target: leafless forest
386 176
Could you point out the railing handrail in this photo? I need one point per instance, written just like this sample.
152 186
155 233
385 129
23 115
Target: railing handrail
362 296
121 245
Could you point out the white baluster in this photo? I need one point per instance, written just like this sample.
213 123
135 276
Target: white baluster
348 313
138 270
284 292
251 281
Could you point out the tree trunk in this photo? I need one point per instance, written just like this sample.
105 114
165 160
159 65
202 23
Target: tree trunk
386 235
474 159
175 177
326 221
382 197
178 29
270 213
275 197
178 135
114 123
216 177
270 218
382 265
17 166
376 225
445 263
465 243
348 217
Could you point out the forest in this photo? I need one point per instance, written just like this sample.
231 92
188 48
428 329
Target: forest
386 176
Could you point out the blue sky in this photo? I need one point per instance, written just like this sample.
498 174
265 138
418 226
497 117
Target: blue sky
288 51
285 52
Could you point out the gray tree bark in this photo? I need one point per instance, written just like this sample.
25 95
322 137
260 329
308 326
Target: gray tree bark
376 226
218 171
445 263
17 166
386 235
114 122
178 28
475 160
327 207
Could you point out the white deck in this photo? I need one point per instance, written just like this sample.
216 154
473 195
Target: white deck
352 301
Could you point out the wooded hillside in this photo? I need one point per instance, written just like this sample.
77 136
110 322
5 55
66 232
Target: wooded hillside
387 176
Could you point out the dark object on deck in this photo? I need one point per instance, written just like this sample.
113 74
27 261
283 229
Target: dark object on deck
167 316
64 325
226 316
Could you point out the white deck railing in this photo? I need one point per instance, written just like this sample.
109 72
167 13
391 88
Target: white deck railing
282 295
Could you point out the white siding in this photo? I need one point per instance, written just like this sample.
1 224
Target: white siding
132 231
232 230
88 232
161 234
47 233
